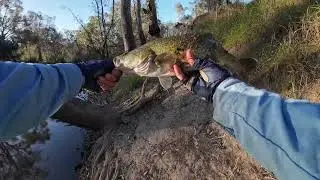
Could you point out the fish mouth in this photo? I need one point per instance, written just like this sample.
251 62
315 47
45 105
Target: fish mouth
117 62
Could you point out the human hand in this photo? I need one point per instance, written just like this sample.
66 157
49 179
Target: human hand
100 75
207 80
109 80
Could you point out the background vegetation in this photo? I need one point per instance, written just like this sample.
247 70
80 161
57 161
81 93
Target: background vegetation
282 34
33 36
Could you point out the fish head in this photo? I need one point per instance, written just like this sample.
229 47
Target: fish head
144 61
133 58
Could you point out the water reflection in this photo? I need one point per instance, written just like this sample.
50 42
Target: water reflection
16 158
62 152
50 151
39 134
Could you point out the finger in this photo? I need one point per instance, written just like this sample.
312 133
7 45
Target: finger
117 74
104 88
106 82
178 72
110 77
190 57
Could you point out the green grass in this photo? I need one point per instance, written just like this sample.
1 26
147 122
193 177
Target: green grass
127 85
254 21
283 34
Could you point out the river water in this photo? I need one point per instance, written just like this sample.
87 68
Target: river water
62 152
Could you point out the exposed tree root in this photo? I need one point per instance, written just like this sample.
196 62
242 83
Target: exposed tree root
83 114
135 103
97 156
13 160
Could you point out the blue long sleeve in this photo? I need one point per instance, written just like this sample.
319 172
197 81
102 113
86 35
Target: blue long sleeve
30 93
283 135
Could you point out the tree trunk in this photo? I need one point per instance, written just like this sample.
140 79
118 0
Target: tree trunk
83 114
126 22
40 58
154 29
139 23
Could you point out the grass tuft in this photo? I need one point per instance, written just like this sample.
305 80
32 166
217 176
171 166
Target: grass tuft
127 85
283 34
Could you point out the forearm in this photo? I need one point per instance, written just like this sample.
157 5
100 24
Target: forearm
283 135
31 93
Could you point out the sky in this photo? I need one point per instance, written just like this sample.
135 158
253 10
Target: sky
82 8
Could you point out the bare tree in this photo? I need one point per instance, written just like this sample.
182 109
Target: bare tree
154 29
105 25
180 9
39 31
126 23
10 17
139 23
91 46
206 6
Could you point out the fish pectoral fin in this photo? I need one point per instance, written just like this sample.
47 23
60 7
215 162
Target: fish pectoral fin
166 82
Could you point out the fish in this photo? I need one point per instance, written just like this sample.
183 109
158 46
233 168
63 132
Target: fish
157 57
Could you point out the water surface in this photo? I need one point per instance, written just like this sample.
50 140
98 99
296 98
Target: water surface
62 153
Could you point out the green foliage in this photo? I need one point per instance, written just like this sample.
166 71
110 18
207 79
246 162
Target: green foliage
28 53
92 40
7 49
257 20
134 82
282 34
130 83
126 85
33 36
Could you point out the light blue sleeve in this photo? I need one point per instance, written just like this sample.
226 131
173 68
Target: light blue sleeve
30 93
283 135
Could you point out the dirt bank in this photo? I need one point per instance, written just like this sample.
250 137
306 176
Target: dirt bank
174 137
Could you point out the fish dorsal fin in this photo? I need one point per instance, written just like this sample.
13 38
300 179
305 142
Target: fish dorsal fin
166 82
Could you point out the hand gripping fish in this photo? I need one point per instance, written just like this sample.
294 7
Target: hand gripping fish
157 57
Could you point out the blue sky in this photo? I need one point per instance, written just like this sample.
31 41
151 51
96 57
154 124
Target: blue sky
82 8
64 20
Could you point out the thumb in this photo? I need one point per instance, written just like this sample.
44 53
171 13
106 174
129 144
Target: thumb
178 72
190 57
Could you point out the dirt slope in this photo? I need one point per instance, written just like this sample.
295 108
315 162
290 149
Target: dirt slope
174 137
